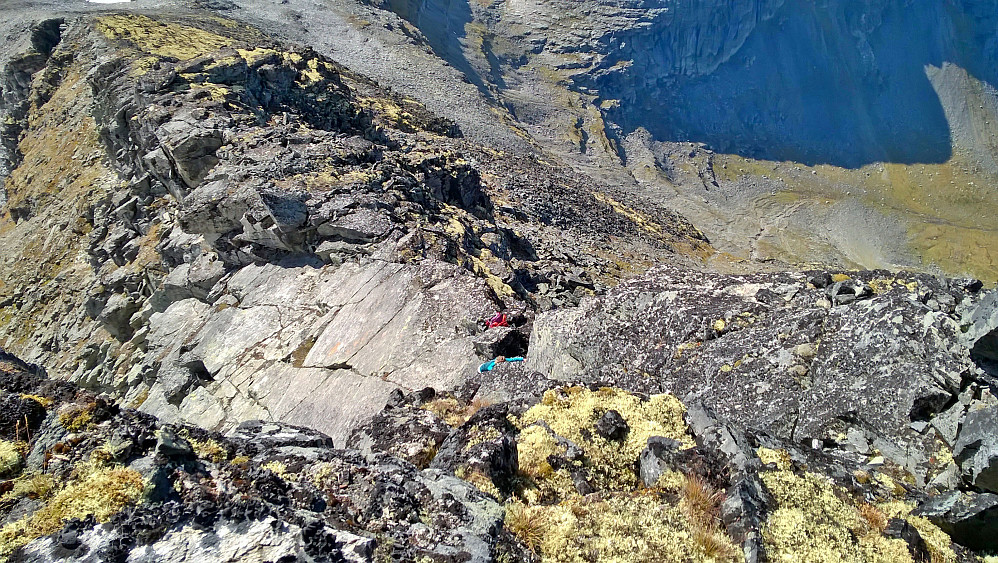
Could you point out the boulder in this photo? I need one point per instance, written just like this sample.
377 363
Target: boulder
767 352
483 447
661 454
971 519
612 426
976 448
407 432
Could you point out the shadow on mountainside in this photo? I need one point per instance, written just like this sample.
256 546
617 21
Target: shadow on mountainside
835 84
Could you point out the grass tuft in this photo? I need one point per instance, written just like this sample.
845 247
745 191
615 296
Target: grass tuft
528 523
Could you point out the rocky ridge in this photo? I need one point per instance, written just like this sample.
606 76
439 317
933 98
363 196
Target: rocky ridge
243 164
265 275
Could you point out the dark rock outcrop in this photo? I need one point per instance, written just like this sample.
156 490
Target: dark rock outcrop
970 518
268 490
976 448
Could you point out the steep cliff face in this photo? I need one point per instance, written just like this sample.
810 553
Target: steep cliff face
841 83
714 108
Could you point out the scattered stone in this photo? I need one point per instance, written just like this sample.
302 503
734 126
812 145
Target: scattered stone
661 454
612 426
898 528
170 444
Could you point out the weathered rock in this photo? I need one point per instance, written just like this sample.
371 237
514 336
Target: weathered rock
902 530
723 441
269 491
170 444
971 519
976 448
511 382
276 434
659 455
612 426
116 314
405 431
744 510
484 445
787 365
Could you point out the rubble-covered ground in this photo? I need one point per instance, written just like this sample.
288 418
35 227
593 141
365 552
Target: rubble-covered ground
582 474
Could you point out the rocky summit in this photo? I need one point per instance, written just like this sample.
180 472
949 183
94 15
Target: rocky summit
529 281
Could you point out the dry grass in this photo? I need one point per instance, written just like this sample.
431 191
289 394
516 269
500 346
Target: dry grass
700 500
714 543
528 523
873 516
700 503
451 411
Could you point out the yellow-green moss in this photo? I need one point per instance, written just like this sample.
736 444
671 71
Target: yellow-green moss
816 521
76 417
631 528
43 401
780 457
278 468
209 449
101 492
31 485
161 39
451 411
570 411
11 458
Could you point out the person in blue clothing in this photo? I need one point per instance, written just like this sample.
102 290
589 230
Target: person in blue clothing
491 364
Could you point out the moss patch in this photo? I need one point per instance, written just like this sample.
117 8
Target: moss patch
11 458
161 39
573 412
816 521
31 485
76 417
101 492
622 522
452 411
620 528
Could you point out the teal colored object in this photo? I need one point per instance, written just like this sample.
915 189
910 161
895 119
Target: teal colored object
491 364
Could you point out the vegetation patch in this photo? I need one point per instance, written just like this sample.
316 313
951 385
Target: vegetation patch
43 401
452 411
675 521
160 38
76 417
99 491
621 527
818 521
573 412
11 458
30 485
